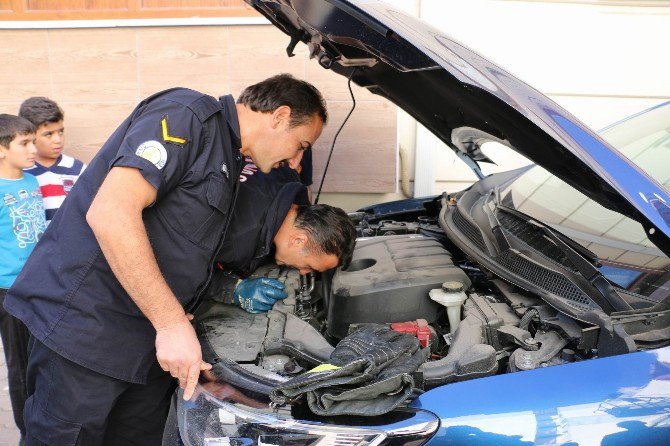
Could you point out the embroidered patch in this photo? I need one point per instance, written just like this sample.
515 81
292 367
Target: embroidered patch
170 138
67 184
154 152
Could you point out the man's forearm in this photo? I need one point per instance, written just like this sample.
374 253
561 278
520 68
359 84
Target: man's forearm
115 216
126 247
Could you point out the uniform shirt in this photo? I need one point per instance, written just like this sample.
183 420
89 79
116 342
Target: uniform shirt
262 204
306 168
186 145
56 181
21 224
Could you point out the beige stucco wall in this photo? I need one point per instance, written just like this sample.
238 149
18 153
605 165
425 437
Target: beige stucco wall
602 60
98 75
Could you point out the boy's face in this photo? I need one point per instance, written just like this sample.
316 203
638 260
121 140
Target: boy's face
21 152
50 140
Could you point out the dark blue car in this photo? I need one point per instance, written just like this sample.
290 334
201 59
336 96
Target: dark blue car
561 336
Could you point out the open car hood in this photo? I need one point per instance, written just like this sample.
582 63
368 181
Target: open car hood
465 99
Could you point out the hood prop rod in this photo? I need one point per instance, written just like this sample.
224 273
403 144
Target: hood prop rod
330 154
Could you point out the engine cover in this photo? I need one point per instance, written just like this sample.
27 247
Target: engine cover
388 281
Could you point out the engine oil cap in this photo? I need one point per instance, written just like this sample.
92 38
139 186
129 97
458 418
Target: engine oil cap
452 287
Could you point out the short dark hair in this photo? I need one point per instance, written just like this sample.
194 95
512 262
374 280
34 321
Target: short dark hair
11 125
40 110
302 97
330 230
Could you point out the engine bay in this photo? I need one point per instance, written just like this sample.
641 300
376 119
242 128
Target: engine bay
401 274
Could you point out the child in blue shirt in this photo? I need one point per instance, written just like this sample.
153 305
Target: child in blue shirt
22 222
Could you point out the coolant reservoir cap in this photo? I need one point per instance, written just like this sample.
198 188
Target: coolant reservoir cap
452 287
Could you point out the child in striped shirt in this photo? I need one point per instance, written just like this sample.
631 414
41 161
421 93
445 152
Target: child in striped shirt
55 171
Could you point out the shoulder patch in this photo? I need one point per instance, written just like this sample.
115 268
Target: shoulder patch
180 141
154 152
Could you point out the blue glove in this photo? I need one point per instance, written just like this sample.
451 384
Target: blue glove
258 295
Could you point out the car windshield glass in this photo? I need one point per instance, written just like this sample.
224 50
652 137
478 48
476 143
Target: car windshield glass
645 139
630 260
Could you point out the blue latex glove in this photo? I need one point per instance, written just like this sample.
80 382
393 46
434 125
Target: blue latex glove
258 295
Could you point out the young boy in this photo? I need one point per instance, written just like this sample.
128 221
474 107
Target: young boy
21 225
55 171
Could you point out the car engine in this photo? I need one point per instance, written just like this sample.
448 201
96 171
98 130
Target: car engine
400 273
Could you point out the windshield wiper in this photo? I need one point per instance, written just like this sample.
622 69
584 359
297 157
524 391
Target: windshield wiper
584 261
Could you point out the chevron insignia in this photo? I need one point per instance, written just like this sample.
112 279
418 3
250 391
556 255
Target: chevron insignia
170 138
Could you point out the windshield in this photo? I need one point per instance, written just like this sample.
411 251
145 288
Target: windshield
629 259
645 140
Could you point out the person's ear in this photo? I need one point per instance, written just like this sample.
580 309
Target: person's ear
299 240
281 116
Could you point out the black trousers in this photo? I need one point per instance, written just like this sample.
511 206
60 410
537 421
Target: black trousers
70 405
15 344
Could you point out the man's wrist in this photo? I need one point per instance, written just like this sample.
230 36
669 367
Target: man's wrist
169 323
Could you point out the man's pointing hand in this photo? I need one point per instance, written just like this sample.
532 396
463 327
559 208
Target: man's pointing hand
178 352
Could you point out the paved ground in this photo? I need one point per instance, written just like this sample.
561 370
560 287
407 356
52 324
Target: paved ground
9 434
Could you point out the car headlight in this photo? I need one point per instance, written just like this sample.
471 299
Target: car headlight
205 420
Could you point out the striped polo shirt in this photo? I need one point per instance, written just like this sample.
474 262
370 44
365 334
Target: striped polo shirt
56 181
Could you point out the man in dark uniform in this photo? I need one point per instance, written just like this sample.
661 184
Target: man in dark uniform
264 200
106 292
267 207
